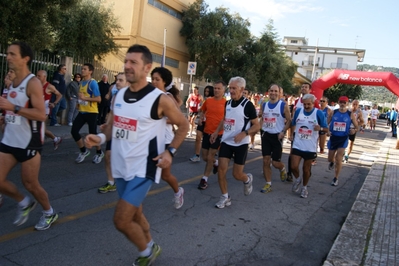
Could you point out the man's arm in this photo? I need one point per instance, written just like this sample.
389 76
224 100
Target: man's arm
57 94
96 94
34 91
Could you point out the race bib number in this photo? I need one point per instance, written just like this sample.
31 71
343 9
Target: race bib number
83 103
125 129
12 118
305 134
269 122
193 104
339 126
229 124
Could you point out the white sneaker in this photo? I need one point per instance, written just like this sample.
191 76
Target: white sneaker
223 202
248 186
195 158
295 185
70 124
98 157
82 156
251 147
304 192
179 200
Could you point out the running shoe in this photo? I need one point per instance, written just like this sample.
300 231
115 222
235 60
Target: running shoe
331 166
283 175
23 213
304 192
223 202
251 147
215 167
289 177
248 185
145 261
334 182
346 158
179 200
82 156
266 189
314 162
195 158
295 185
70 124
107 188
203 184
98 157
46 221
57 142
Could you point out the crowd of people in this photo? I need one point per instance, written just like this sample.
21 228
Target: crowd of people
142 127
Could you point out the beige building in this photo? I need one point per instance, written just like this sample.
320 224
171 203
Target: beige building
143 22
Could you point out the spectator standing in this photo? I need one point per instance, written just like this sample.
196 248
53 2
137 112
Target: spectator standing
103 106
59 83
72 95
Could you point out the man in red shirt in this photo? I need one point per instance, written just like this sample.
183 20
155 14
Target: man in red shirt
193 104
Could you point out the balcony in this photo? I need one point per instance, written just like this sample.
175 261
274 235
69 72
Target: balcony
309 64
339 66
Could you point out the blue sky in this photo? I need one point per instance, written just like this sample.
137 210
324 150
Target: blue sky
369 25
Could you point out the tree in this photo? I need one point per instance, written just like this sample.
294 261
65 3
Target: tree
87 30
31 21
351 91
55 25
223 47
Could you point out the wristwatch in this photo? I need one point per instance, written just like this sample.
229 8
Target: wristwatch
16 109
172 151
246 132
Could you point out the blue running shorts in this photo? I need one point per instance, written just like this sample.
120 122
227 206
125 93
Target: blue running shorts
133 191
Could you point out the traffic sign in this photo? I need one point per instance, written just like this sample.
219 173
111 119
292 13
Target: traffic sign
191 68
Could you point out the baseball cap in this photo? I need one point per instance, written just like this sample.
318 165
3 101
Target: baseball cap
343 99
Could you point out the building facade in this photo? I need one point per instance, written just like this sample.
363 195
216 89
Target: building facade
314 61
144 22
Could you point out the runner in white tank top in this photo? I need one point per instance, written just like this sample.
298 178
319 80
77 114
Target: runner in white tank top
23 136
138 147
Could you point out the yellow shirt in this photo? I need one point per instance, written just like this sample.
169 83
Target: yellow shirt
86 106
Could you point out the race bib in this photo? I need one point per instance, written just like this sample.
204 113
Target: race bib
339 126
269 122
229 124
193 104
12 118
305 134
83 103
125 128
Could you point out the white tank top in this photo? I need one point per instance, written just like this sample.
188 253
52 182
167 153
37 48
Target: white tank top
136 137
235 122
305 137
273 120
21 132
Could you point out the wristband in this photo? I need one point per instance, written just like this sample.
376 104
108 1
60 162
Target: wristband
102 137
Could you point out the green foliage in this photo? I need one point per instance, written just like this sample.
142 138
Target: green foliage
87 30
351 91
223 47
46 25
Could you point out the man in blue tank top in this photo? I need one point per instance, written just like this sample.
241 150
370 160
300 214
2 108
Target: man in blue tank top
339 129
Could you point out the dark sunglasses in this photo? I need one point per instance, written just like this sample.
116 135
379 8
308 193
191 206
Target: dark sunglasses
322 101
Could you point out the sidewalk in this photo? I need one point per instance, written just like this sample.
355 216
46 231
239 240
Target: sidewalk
369 235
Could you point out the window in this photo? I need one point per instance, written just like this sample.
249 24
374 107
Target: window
168 61
294 41
165 8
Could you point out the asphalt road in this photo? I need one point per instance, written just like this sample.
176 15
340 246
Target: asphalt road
278 228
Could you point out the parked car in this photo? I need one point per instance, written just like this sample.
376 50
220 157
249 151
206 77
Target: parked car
383 116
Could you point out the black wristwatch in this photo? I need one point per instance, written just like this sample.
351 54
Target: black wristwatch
172 151
246 132
16 109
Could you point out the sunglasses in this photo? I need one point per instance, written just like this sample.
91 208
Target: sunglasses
322 101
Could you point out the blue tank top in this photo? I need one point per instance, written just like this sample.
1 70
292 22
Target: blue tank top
340 123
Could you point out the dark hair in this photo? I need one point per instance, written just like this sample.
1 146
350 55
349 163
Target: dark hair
146 53
25 50
310 85
220 82
77 74
211 93
90 66
60 67
167 77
